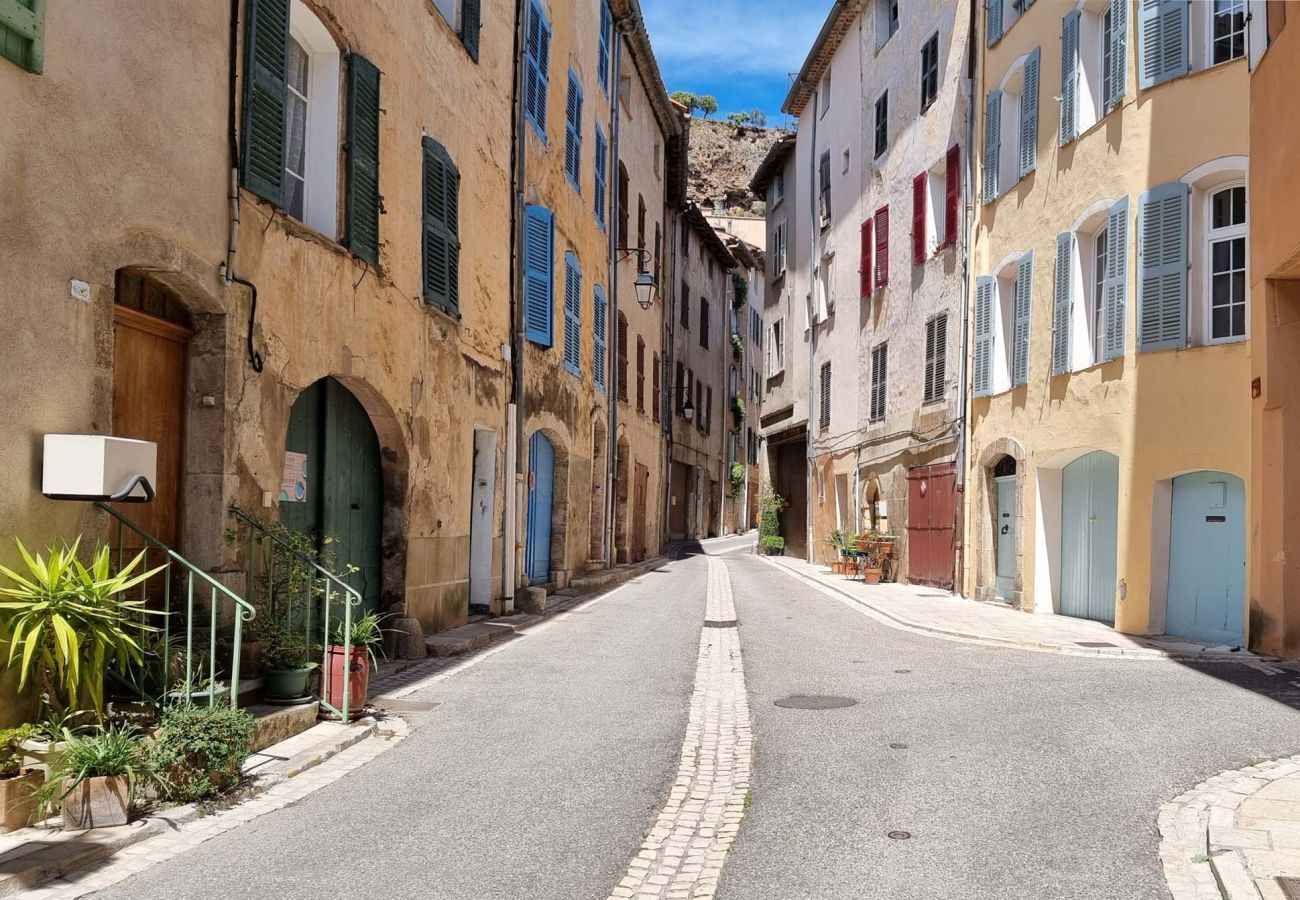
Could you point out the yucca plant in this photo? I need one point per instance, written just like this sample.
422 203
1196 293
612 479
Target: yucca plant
66 622
113 752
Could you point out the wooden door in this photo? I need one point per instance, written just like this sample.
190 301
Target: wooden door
1207 558
1005 524
541 486
678 500
149 404
932 525
1089 529
639 513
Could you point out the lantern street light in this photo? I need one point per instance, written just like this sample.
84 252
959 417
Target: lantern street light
645 282
688 410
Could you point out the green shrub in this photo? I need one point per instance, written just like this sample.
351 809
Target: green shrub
11 755
200 750
770 505
771 545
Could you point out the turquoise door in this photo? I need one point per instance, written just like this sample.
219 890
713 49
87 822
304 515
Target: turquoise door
1005 524
1089 528
1207 558
344 494
541 480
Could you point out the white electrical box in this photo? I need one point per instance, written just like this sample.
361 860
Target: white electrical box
99 467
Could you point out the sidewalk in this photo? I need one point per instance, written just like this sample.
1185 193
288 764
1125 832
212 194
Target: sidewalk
937 612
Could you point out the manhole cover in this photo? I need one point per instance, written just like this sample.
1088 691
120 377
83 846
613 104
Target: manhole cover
815 701
899 835
1095 644
897 746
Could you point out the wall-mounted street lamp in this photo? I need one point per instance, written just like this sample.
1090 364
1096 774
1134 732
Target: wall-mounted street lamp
688 410
645 282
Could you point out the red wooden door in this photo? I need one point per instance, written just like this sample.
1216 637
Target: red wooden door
931 525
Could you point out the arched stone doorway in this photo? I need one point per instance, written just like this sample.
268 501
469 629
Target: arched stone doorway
546 529
599 467
622 491
999 556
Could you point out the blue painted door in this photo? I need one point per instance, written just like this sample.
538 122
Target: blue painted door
541 479
1005 524
1089 528
1207 558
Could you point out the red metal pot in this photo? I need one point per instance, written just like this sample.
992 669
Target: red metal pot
358 665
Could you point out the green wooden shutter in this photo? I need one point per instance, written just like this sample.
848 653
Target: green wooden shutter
572 314
993 20
1162 41
1116 284
441 228
1162 258
1023 309
470 25
539 275
1118 53
1029 116
266 66
22 33
992 144
1063 306
363 201
982 380
1069 77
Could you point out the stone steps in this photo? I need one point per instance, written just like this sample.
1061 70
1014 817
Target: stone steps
279 723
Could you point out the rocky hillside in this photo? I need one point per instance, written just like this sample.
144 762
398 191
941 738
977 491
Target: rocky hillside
723 159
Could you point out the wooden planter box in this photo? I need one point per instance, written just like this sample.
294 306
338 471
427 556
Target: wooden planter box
96 803
18 799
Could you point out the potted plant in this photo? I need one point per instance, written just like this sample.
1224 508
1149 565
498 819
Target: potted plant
836 541
365 636
200 750
18 785
872 566
288 661
96 779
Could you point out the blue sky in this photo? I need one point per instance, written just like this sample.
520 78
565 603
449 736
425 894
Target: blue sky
740 51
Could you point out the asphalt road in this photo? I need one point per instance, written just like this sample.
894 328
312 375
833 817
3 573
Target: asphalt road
1024 775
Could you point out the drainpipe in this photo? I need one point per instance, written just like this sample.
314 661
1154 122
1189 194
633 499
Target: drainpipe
968 216
668 371
515 463
611 323
811 303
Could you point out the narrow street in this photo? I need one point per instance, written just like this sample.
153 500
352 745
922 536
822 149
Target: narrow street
1016 774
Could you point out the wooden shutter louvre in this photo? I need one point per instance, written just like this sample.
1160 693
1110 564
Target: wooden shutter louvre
1116 284
602 178
363 200
940 357
1162 41
1023 310
537 53
982 376
708 410
1162 256
1118 54
656 393
572 315
1029 116
470 25
539 275
22 33
992 144
864 268
678 393
441 228
621 338
993 20
882 246
640 374
930 340
1062 306
573 133
1069 76
952 196
825 396
599 315
266 67
919 185
602 54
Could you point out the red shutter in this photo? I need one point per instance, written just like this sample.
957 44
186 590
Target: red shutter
918 219
864 271
882 246
952 189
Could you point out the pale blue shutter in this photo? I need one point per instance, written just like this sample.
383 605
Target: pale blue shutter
1023 308
1162 261
1063 305
992 144
573 133
572 315
602 178
1162 41
1118 53
1069 77
1117 280
606 29
982 381
993 20
1029 116
539 275
599 326
537 55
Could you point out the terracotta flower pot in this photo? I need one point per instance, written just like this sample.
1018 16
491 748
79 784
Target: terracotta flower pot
358 664
18 799
100 802
872 576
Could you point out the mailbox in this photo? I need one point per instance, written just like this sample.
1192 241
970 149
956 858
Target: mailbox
99 467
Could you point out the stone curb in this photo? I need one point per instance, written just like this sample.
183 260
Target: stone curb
894 620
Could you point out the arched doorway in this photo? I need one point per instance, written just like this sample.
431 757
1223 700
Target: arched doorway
332 443
622 488
599 466
1089 530
1006 525
1207 558
541 487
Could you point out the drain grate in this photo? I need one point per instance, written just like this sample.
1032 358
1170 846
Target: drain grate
1290 887
1095 644
815 701
720 623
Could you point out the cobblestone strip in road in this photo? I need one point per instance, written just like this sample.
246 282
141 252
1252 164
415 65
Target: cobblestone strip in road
682 857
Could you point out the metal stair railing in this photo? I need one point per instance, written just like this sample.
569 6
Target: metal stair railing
218 596
331 586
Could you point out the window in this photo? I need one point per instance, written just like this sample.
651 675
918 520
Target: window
1003 304
824 188
778 189
943 201
640 375
999 15
700 411
621 337
886 21
603 51
881 270
1091 290
655 398
882 124
640 235
826 92
537 57
929 72
573 133
469 24
704 323
707 422
936 359
776 349
778 250
879 381
599 324
441 243
1227 31
295 114
539 274
824 393
572 315
602 177
1011 110
825 296
22 33
686 306
1098 286
920 218
1227 257
1094 58
679 389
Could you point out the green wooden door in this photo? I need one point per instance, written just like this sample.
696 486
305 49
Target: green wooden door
345 492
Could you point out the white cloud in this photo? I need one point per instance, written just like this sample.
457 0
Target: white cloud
722 38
